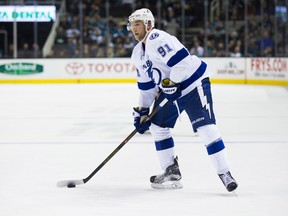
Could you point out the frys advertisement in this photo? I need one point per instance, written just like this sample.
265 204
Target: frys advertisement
267 68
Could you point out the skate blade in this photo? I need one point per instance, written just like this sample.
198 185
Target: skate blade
168 185
234 192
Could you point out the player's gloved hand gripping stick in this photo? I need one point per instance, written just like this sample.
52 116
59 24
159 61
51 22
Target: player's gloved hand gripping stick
73 183
170 89
140 119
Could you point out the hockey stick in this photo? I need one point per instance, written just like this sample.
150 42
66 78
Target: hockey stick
73 183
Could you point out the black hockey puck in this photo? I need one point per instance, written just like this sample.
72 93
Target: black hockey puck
71 185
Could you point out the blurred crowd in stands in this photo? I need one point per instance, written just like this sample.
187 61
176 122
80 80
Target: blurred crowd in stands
265 35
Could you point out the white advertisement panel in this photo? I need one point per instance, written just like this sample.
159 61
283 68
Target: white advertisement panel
66 68
267 68
93 70
226 68
27 13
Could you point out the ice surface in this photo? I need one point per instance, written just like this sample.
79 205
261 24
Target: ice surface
50 133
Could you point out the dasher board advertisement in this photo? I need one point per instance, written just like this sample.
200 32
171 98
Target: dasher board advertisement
27 13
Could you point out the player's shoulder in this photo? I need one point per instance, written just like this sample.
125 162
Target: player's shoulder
156 35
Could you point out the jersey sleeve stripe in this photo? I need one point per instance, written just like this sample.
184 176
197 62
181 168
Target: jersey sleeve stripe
146 85
181 54
196 75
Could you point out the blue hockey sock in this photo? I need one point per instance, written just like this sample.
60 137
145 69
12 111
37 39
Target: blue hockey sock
164 144
217 154
215 147
165 151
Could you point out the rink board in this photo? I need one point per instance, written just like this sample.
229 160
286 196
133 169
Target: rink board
267 71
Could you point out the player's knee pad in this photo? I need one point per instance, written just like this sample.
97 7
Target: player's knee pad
209 134
159 133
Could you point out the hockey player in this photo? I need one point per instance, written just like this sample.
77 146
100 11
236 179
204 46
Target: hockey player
163 63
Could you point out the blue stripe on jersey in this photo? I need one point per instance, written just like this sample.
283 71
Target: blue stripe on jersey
146 85
164 144
181 54
215 147
196 75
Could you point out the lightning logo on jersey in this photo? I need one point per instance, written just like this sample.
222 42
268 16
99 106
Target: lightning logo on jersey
153 73
153 36
203 99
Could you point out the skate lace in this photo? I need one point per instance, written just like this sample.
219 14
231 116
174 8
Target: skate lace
226 178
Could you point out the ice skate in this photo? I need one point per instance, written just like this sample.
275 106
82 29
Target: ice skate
228 181
170 179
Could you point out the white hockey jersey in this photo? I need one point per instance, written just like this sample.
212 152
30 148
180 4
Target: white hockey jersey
163 56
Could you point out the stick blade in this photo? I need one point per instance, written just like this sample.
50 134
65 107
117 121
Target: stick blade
65 183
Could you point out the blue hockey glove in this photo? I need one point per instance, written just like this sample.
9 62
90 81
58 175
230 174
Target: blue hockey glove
139 116
171 90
